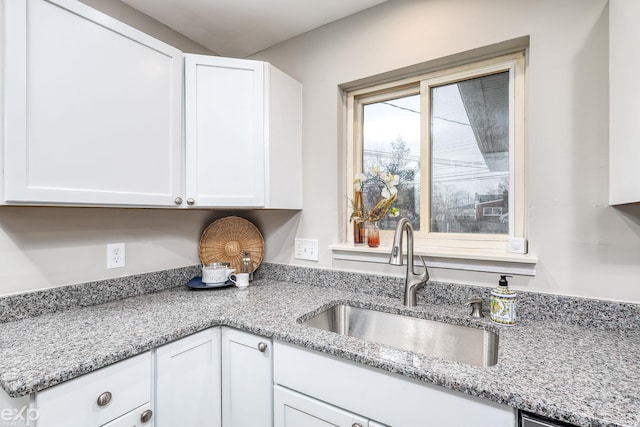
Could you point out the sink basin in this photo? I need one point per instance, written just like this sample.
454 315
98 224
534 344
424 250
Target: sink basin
452 342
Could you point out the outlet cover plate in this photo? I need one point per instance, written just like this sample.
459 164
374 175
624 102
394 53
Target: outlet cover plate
115 255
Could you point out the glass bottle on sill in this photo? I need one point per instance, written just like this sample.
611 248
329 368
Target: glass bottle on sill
359 236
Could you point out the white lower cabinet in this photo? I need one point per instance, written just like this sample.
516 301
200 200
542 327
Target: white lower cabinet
100 398
296 410
223 377
217 377
247 380
187 375
329 383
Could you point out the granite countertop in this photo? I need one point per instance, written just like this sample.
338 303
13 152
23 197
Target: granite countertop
582 375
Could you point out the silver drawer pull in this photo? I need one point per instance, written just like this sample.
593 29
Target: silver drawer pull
262 347
104 398
356 425
191 201
178 200
145 417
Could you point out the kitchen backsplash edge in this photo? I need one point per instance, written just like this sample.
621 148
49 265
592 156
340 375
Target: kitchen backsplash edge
604 314
44 301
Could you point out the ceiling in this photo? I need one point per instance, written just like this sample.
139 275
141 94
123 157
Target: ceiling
239 28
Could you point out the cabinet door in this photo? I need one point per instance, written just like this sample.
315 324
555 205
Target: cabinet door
296 410
139 417
188 381
224 128
93 109
247 380
624 102
283 146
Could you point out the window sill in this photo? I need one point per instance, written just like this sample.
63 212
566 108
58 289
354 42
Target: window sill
458 259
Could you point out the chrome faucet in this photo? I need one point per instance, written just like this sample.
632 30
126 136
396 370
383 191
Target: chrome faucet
413 281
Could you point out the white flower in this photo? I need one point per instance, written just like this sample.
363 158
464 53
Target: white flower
377 178
358 181
387 192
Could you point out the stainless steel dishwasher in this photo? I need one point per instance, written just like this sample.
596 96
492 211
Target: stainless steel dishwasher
529 420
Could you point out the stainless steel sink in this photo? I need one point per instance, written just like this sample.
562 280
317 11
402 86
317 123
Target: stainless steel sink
452 342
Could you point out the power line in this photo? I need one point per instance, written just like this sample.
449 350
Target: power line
452 121
400 108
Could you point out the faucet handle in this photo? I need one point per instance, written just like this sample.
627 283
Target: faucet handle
424 277
476 306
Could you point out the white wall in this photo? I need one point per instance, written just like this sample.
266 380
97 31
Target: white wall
585 247
125 13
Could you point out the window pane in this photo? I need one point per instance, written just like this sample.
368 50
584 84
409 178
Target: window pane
391 143
470 156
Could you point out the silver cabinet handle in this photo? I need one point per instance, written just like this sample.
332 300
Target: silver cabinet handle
262 347
104 398
145 417
356 425
191 201
178 200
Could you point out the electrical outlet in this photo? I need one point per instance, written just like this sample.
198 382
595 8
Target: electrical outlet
115 255
306 249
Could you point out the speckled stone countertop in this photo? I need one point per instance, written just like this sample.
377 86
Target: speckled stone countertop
584 375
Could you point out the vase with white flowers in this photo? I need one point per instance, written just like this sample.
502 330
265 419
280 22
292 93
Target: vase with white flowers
387 183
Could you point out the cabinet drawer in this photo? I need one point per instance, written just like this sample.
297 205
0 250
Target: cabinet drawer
75 403
139 417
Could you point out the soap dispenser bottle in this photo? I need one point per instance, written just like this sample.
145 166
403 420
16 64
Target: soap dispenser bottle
503 303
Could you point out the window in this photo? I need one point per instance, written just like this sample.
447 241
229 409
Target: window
455 139
491 211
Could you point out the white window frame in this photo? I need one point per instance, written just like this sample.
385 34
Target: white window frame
426 240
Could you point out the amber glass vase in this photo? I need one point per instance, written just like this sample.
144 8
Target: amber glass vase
359 235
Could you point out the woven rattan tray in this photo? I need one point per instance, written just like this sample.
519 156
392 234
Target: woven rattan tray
225 239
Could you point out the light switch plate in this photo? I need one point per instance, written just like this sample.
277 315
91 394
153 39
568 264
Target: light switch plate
518 245
306 249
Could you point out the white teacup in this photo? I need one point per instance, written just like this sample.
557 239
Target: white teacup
216 273
241 280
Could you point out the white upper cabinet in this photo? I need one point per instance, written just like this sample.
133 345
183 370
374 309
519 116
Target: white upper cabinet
92 109
243 127
224 128
283 140
93 116
624 102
